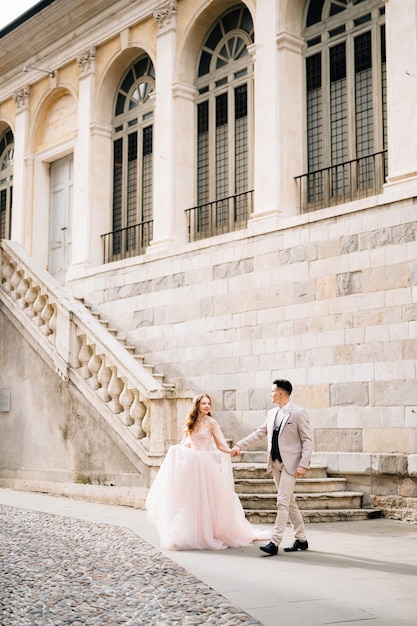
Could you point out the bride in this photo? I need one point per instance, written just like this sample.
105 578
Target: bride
192 501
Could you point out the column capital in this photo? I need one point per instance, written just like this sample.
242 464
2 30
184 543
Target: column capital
21 98
87 62
287 41
252 51
182 90
165 15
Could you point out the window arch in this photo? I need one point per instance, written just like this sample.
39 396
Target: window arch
6 183
224 112
345 100
133 162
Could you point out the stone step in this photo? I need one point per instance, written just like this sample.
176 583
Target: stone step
252 456
305 501
129 348
303 485
315 516
258 470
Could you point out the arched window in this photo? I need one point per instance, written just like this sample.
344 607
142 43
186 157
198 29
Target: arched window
133 162
224 107
346 100
6 183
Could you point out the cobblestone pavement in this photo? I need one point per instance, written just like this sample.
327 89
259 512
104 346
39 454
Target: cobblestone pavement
60 571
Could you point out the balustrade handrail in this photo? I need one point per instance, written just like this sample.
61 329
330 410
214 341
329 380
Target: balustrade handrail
53 318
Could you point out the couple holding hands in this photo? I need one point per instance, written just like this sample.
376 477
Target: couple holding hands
193 502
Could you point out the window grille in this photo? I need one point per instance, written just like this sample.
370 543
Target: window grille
224 87
132 219
345 77
6 183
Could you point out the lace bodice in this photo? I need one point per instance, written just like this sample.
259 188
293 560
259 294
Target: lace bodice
201 437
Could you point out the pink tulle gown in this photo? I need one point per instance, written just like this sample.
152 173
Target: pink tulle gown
192 501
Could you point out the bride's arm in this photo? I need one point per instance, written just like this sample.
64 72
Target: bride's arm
218 437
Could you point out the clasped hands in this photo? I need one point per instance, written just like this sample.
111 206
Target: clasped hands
234 451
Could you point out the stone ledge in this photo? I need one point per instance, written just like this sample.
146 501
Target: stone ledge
397 507
116 496
386 464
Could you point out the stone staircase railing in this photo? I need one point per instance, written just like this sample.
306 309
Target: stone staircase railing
136 408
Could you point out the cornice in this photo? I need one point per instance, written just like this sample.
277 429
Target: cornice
67 49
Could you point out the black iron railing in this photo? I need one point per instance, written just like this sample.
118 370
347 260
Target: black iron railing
127 242
344 182
220 216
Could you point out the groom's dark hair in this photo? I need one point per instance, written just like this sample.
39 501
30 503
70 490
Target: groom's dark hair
284 384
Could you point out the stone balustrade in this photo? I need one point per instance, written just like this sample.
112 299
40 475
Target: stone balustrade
138 407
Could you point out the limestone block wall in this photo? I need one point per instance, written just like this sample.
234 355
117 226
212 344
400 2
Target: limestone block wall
50 440
329 302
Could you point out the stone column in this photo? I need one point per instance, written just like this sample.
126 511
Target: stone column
184 133
278 125
101 188
291 126
81 240
164 166
401 26
266 153
22 173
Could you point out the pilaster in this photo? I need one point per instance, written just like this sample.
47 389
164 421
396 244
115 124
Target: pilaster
184 132
266 152
278 113
164 166
401 26
22 171
82 201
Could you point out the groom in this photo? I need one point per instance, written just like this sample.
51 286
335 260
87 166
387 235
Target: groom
290 445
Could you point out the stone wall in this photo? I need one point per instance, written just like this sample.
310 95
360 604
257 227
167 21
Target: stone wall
328 302
50 439
388 481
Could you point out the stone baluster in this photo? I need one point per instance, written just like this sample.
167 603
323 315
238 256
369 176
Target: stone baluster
146 425
84 356
8 270
46 315
21 291
30 297
115 389
53 322
137 413
126 400
94 365
15 281
38 307
103 377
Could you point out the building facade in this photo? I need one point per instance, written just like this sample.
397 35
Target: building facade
233 185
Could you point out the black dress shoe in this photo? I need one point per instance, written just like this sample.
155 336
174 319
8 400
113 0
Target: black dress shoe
271 549
297 545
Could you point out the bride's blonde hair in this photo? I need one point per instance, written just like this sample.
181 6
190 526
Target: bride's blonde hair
192 416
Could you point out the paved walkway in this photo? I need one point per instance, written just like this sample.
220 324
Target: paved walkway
71 562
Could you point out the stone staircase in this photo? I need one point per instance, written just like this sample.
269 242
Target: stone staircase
320 498
129 348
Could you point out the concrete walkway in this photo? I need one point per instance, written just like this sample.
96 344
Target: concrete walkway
354 572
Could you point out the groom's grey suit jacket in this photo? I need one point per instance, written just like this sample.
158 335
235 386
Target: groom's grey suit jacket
295 438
